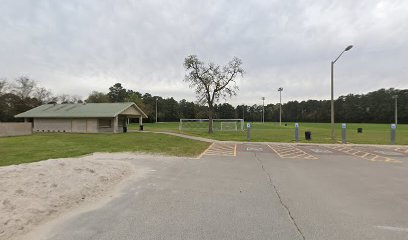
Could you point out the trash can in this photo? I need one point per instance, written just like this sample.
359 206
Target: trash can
359 130
286 124
308 135
141 127
124 129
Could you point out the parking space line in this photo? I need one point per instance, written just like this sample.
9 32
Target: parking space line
285 151
364 155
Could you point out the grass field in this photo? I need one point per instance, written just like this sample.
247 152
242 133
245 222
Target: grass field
272 132
15 150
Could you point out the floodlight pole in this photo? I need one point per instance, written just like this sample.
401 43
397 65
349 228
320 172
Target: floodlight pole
280 105
396 108
263 109
332 90
156 110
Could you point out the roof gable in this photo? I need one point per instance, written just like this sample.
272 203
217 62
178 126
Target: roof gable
79 110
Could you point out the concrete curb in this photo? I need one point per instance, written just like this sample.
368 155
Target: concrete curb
280 143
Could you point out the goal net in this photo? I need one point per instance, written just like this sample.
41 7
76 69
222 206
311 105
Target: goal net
218 124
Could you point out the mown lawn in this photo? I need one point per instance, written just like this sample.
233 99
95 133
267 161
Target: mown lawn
41 146
321 132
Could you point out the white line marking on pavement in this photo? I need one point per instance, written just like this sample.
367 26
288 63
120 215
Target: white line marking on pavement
393 228
318 150
257 149
389 153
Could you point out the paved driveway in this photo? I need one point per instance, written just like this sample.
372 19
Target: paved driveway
258 191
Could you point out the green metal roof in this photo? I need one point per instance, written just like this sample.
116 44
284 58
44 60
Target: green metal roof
79 110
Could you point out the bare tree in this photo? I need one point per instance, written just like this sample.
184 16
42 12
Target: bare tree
212 82
43 95
64 98
24 87
3 86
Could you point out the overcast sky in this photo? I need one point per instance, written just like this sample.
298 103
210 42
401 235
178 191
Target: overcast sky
77 46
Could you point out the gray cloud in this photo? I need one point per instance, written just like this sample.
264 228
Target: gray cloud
78 46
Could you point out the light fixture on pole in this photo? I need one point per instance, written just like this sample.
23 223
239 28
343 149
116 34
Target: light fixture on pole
396 108
263 109
156 110
332 94
280 105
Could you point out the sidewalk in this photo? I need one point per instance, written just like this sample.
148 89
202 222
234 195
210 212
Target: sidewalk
182 135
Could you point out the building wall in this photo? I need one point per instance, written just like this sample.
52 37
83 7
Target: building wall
52 125
65 125
15 129
92 125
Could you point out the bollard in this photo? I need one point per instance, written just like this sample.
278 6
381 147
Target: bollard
343 133
393 127
297 132
248 132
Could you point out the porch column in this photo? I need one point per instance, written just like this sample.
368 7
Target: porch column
140 121
115 124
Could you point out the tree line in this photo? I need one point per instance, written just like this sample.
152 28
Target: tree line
24 93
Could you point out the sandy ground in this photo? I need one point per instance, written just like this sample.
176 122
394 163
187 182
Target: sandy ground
31 194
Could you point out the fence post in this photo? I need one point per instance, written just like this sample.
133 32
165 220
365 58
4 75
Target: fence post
297 132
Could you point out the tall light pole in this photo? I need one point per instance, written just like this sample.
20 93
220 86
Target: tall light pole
332 94
156 110
396 108
263 109
243 112
280 105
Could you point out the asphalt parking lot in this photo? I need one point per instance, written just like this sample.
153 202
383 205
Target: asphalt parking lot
258 191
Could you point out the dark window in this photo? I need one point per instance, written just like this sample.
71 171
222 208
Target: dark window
105 123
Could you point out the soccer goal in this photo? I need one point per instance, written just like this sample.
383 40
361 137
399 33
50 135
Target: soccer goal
218 124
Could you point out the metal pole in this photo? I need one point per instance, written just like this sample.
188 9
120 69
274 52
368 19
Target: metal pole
280 107
263 109
332 103
156 110
396 110
243 112
332 87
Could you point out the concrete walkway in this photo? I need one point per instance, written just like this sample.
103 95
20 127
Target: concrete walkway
181 135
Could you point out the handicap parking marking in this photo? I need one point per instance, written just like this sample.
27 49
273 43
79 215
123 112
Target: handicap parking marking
250 147
388 153
221 149
372 157
402 150
288 151
319 150
254 149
